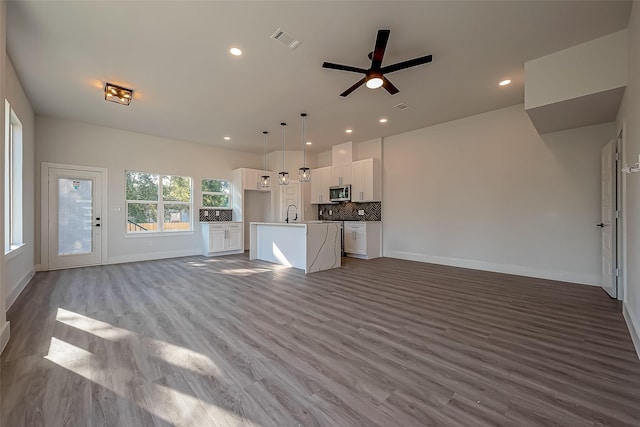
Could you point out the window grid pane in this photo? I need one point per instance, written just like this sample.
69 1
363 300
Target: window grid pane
216 193
158 203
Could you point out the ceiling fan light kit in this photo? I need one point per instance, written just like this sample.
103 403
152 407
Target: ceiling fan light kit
374 76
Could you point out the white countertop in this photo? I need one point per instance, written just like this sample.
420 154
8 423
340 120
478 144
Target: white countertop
293 224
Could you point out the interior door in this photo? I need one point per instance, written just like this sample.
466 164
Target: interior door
290 198
607 218
75 218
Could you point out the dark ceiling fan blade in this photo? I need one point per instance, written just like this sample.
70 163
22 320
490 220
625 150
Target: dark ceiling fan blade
389 86
378 52
343 67
354 87
406 64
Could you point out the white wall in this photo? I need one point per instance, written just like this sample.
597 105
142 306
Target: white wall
629 119
70 142
595 66
20 265
4 325
371 149
489 192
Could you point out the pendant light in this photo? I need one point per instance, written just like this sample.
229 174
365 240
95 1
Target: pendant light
283 177
265 179
304 172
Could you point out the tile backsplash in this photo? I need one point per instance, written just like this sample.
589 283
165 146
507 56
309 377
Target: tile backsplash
348 211
225 215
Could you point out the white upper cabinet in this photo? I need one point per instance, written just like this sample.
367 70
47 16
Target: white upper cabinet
251 179
341 175
366 181
320 183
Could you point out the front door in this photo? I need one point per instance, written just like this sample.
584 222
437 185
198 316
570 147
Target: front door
75 218
608 218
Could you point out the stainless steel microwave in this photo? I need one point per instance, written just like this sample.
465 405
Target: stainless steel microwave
340 194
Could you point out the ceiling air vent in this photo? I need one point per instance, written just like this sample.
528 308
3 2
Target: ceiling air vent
286 39
401 106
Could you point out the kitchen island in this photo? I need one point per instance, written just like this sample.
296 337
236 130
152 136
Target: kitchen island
312 246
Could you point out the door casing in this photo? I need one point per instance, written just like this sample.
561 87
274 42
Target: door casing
44 209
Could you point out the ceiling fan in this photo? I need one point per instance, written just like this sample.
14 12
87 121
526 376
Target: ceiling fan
374 76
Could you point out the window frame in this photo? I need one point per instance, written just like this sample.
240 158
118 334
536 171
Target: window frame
13 200
216 193
160 206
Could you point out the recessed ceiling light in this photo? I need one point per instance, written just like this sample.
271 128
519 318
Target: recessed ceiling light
227 138
383 120
504 82
235 51
349 130
309 142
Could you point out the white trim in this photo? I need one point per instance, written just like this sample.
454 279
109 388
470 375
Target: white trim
44 208
564 276
17 289
153 256
634 330
5 334
38 267
14 252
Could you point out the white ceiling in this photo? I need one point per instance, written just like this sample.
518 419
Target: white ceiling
174 54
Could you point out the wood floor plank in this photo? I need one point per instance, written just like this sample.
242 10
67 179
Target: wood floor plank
226 341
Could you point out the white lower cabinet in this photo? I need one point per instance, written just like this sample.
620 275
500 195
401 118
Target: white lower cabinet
363 239
223 237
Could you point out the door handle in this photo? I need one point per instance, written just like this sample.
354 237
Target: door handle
97 225
601 225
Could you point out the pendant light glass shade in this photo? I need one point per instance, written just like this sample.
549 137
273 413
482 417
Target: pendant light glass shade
283 177
304 173
265 179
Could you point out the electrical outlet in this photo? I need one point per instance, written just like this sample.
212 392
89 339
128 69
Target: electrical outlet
330 212
217 213
206 213
360 211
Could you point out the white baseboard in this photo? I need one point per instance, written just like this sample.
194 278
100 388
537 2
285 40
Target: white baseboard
17 289
150 256
4 336
518 270
634 330
39 267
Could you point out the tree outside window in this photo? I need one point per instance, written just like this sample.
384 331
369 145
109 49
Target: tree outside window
158 203
216 193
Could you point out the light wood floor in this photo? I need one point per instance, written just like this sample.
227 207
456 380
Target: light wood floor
225 342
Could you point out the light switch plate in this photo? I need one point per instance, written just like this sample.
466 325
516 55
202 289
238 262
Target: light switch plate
206 213
360 211
217 213
330 212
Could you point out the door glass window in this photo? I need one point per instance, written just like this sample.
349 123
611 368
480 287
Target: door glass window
75 213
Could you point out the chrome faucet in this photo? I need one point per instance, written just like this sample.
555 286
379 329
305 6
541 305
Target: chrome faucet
295 211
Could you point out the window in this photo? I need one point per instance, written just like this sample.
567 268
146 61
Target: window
158 203
12 180
216 193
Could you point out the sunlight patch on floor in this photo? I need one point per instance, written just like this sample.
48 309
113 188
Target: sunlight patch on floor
93 326
170 353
